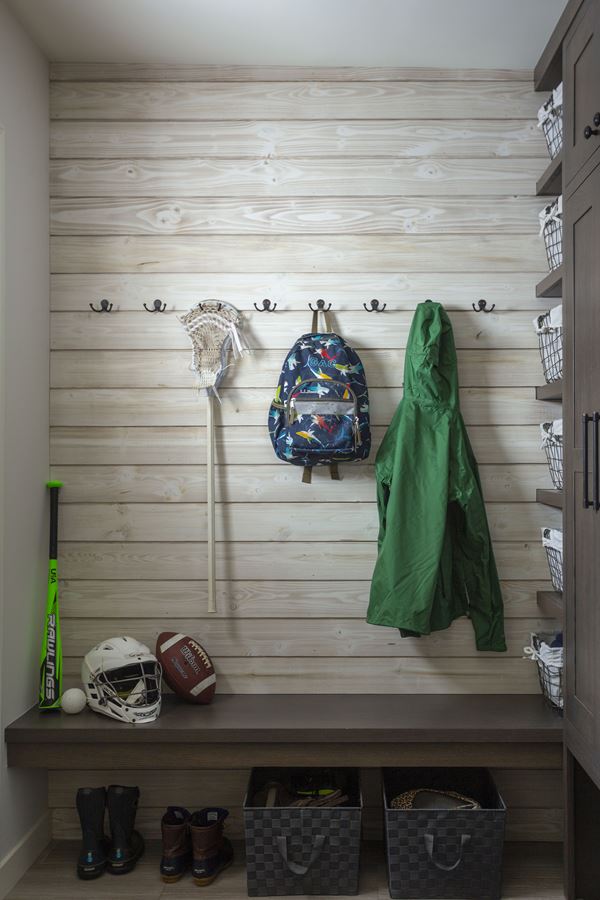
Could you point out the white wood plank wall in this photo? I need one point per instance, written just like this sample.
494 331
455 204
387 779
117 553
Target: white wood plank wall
240 184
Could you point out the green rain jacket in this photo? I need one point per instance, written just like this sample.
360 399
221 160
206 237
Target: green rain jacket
435 560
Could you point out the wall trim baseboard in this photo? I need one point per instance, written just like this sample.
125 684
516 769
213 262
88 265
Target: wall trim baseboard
16 862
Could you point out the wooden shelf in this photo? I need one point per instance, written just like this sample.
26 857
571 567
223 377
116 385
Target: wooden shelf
548 71
552 391
243 719
551 285
550 183
551 604
549 497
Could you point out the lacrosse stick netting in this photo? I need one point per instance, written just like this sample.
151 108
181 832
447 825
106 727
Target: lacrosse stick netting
214 329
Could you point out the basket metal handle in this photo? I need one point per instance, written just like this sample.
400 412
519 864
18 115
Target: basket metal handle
296 868
430 846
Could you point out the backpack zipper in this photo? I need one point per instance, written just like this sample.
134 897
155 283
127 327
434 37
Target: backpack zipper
290 418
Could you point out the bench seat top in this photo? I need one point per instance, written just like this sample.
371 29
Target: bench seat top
310 718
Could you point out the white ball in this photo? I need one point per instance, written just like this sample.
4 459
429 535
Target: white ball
73 701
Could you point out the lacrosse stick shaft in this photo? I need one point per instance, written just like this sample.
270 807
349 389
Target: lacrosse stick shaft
210 497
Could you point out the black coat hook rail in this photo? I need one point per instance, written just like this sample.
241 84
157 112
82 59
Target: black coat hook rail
483 307
105 307
375 306
157 307
320 306
267 306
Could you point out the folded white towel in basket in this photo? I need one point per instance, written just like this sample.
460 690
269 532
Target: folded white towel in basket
552 432
552 537
550 321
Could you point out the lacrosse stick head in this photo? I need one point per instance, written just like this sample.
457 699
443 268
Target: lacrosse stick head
214 329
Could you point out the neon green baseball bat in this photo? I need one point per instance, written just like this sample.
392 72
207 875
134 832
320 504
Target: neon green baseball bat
51 658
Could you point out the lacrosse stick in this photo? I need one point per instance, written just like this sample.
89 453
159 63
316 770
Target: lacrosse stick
214 330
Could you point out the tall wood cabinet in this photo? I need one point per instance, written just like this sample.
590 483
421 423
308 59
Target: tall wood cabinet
573 54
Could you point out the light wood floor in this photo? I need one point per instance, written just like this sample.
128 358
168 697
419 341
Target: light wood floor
532 872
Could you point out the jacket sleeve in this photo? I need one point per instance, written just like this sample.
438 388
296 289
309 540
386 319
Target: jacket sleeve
475 571
414 494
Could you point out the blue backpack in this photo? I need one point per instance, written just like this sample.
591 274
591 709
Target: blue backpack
320 414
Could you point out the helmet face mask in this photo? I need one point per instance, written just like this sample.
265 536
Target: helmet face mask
122 680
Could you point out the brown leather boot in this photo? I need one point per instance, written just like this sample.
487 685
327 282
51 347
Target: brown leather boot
212 852
176 844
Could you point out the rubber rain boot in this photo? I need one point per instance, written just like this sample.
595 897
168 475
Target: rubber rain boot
127 845
212 852
92 859
176 844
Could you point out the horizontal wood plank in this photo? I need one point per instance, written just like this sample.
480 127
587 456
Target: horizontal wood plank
251 560
158 101
303 177
307 215
275 483
175 446
250 600
521 825
381 675
170 368
520 788
124 330
294 290
95 407
296 637
330 253
95 71
395 139
237 521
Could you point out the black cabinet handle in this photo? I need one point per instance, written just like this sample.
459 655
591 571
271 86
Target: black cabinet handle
585 420
588 131
596 463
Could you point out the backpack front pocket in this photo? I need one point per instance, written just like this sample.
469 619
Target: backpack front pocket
321 415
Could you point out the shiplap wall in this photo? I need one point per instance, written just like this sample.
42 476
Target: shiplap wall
244 184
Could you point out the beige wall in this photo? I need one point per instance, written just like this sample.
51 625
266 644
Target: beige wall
24 380
240 189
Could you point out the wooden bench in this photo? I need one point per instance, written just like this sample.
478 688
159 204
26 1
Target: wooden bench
242 730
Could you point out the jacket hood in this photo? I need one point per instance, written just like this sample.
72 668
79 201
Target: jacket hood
430 366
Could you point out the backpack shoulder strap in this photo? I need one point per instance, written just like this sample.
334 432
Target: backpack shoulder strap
315 321
307 475
334 471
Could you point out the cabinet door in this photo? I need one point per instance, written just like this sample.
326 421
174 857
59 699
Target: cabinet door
582 524
581 91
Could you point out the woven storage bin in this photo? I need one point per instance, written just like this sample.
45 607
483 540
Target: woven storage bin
292 851
550 120
553 545
447 854
551 228
550 338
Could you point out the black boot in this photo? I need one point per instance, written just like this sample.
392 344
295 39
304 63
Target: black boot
127 845
93 855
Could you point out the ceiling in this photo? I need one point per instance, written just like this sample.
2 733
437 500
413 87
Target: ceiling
443 33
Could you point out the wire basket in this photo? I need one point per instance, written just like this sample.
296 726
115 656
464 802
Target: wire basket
552 541
551 227
550 120
550 673
552 442
550 339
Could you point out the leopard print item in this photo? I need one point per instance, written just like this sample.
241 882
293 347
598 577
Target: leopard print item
407 800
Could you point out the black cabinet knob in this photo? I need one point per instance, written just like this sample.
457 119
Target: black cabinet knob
588 131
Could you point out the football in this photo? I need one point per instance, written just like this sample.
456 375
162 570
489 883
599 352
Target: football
187 667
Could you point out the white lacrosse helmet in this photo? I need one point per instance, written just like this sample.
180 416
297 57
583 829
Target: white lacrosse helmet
121 679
